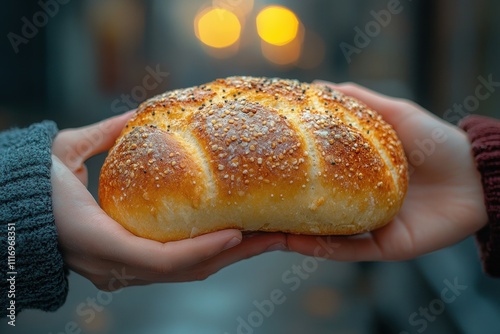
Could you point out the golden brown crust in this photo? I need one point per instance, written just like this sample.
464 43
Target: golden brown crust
255 154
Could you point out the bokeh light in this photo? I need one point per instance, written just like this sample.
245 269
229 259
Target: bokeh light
285 55
277 25
217 27
239 7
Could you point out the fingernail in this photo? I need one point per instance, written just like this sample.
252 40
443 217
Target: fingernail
233 242
276 247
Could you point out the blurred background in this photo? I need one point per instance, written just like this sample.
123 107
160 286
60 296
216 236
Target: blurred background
78 62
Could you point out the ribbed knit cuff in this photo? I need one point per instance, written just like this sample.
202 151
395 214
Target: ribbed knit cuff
484 134
26 217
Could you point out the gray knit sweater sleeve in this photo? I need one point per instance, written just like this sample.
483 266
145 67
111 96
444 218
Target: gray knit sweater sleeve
32 272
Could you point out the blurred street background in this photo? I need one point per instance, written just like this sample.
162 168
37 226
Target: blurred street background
78 62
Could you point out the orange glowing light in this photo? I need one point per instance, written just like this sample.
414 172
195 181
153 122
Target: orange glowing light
277 25
217 27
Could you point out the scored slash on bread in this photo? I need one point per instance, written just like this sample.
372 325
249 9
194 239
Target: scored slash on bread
255 154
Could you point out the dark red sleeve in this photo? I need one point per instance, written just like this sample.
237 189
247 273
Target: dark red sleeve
484 134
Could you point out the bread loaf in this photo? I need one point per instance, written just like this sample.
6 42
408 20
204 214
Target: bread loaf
254 154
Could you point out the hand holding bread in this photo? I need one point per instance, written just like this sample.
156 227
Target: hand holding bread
100 249
254 154
444 203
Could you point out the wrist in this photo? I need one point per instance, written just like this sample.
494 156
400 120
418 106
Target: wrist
484 134
25 183
482 217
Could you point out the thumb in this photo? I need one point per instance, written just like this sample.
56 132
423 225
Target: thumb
74 146
409 120
391 109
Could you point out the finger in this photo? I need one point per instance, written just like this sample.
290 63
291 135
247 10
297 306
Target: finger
169 257
203 268
392 109
415 126
396 241
116 244
349 248
254 245
74 146
408 120
412 123
104 272
102 236
107 275
402 114
101 270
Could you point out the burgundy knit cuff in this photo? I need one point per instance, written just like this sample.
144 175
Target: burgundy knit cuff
484 134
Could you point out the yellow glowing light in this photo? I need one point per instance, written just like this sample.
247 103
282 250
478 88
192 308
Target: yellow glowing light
277 25
285 55
218 28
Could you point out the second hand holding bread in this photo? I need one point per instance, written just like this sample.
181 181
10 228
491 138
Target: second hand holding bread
255 154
